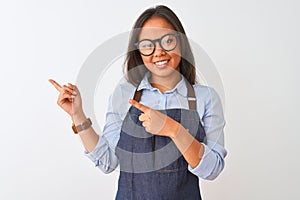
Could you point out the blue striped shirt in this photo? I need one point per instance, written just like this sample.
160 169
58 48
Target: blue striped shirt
209 108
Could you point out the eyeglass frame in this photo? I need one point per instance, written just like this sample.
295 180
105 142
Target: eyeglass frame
157 40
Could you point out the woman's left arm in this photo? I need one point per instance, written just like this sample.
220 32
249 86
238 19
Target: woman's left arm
191 149
205 160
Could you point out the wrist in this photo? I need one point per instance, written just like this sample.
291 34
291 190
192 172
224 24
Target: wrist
78 118
175 129
83 126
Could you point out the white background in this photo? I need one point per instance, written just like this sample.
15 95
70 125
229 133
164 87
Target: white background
254 45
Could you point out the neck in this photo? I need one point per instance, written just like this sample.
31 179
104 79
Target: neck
164 84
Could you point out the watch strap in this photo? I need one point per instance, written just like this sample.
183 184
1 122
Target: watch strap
83 126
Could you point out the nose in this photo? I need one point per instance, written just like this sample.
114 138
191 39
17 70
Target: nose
158 50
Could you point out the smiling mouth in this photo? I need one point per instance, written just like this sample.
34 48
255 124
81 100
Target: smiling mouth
161 63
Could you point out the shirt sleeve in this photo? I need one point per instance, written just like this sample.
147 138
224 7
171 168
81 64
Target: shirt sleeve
103 155
212 162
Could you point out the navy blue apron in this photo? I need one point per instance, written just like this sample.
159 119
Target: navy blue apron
151 166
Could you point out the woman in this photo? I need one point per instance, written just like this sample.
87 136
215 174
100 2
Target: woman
171 132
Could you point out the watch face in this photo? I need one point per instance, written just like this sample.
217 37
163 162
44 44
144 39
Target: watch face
84 125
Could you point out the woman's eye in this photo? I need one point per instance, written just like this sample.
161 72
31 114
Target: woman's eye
169 41
147 46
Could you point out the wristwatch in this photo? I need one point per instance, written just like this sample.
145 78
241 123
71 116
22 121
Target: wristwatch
83 126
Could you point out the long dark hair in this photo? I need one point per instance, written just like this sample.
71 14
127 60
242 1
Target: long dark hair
134 59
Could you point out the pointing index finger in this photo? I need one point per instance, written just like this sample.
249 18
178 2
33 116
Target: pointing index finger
139 106
55 84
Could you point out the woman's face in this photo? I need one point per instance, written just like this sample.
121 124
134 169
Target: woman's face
161 63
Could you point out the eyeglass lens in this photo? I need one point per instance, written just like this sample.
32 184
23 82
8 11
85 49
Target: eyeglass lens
167 43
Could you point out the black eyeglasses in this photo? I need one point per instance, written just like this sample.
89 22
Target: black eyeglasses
167 42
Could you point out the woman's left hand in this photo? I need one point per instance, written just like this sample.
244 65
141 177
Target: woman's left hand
156 122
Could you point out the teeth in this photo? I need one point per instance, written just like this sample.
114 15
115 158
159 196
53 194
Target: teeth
161 62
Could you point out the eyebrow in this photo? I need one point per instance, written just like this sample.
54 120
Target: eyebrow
157 38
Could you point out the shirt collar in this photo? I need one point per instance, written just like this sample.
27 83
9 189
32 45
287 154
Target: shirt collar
180 86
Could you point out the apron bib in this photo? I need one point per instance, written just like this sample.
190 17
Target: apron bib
151 166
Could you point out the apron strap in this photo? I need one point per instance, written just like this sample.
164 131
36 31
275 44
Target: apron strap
137 95
190 96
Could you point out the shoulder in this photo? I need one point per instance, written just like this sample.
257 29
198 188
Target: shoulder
118 101
205 92
123 90
207 97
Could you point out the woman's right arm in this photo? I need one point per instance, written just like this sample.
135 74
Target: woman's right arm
69 100
99 149
88 136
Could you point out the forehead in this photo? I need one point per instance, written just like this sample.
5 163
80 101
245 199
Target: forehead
155 27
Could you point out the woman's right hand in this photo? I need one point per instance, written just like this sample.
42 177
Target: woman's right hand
69 98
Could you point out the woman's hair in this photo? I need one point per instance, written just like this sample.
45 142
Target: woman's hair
134 59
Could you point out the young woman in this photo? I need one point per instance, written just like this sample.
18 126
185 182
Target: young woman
166 130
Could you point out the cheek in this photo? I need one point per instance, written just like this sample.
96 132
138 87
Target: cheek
176 58
176 54
146 59
147 62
